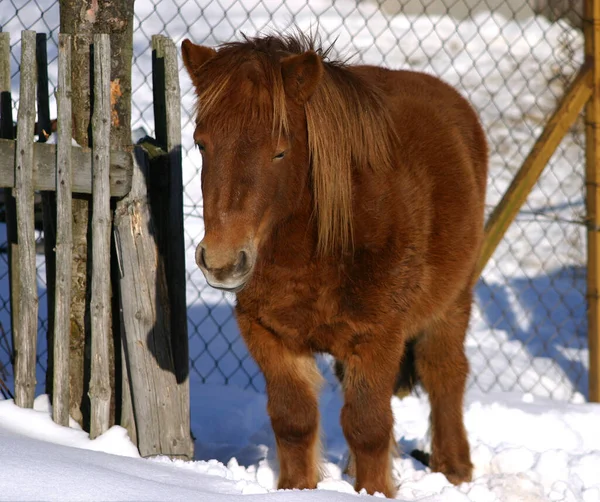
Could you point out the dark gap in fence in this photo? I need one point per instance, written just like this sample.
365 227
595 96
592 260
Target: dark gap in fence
43 131
120 380
176 273
158 180
159 104
167 118
85 404
7 127
90 132
43 126
166 191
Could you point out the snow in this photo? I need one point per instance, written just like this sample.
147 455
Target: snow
527 336
524 449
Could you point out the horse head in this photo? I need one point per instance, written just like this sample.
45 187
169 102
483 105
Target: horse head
251 131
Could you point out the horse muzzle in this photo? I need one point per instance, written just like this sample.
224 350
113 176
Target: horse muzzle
226 270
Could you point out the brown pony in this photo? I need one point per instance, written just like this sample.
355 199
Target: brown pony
344 206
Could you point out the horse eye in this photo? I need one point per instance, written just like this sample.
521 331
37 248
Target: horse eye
200 146
279 156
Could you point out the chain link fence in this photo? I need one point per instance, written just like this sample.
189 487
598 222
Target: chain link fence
512 59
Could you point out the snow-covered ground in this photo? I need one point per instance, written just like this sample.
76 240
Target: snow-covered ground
527 335
523 448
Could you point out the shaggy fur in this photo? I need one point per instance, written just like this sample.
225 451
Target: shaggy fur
344 205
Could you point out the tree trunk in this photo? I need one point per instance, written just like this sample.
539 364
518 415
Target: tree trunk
82 19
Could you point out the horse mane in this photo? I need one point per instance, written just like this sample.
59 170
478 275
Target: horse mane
349 126
349 129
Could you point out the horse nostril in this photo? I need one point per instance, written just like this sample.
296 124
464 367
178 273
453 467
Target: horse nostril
200 258
242 262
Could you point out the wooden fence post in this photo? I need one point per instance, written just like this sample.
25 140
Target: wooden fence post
161 426
592 173
26 335
7 131
100 392
64 237
169 217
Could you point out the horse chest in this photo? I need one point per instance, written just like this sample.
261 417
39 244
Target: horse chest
296 306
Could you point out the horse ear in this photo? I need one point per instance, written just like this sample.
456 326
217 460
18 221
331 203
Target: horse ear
194 56
301 75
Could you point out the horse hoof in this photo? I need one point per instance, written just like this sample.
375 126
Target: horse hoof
456 474
458 478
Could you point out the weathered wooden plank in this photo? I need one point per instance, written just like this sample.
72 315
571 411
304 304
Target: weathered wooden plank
592 184
564 117
26 335
64 237
44 176
167 96
146 319
7 131
100 392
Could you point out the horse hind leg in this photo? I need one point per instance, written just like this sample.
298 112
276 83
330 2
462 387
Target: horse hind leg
442 368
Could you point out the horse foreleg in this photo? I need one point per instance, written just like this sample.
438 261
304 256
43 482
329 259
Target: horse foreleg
443 368
367 420
293 381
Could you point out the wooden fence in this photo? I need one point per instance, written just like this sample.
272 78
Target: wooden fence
148 244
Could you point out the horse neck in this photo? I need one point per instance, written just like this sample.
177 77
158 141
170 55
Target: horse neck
294 239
